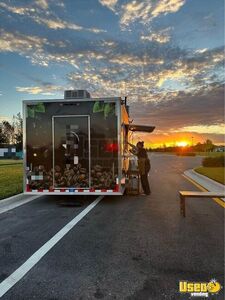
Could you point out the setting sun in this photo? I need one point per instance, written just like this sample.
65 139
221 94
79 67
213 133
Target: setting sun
182 144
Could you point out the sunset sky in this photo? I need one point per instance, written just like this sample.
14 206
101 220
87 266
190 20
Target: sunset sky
165 55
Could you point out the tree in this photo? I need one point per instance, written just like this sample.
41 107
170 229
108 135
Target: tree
18 131
12 132
8 132
199 147
209 145
3 137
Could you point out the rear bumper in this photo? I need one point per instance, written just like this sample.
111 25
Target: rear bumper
74 193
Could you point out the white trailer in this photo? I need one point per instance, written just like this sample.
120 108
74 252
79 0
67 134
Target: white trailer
77 145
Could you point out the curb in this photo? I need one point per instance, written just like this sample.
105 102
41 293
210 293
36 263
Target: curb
10 198
217 184
13 202
207 183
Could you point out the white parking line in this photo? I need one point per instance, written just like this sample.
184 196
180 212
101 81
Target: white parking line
10 281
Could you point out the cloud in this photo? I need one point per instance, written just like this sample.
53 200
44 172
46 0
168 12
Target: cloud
42 51
47 89
16 42
211 129
167 6
173 88
134 11
200 50
145 11
154 64
135 61
17 10
114 67
147 75
58 23
38 50
109 3
42 3
183 110
194 70
41 15
161 36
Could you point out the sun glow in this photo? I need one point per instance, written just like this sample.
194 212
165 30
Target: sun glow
182 144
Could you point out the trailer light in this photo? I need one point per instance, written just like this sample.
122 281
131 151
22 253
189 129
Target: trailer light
111 147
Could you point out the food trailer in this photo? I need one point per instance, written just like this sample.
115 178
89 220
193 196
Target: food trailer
77 145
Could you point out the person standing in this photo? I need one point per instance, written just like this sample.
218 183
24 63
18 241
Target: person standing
143 165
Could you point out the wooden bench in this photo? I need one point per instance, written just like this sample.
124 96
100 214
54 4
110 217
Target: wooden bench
194 194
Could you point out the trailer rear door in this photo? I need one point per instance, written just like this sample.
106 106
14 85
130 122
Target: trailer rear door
71 151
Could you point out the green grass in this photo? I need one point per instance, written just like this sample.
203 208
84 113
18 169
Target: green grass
215 173
10 162
11 180
211 154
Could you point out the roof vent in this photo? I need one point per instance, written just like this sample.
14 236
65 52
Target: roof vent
78 94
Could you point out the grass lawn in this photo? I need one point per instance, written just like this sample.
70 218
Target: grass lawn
10 162
215 173
211 154
10 179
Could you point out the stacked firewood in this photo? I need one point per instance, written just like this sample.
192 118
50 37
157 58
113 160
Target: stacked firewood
101 178
75 176
71 176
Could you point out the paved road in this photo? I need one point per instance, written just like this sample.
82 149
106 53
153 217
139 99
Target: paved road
132 247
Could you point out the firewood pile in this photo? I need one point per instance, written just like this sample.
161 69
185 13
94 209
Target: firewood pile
102 178
71 176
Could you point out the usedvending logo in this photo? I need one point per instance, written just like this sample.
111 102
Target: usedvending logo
200 289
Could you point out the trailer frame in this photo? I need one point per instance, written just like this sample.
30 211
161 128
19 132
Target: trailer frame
121 180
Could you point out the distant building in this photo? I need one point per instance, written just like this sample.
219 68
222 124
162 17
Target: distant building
219 149
7 151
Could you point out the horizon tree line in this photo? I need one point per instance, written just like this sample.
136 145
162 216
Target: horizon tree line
12 132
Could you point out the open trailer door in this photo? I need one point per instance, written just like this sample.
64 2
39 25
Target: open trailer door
140 128
133 177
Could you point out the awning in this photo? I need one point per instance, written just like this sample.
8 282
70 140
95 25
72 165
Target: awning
142 128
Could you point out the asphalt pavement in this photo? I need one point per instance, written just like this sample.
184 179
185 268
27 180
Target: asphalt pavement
127 247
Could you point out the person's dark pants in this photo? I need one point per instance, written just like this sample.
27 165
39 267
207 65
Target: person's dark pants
145 184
